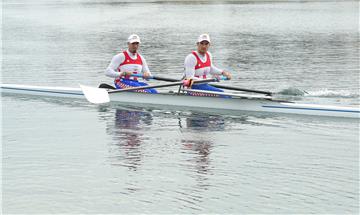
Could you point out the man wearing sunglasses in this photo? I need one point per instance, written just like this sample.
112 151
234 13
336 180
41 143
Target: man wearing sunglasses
127 63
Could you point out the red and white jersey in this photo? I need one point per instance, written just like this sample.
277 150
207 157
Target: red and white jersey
200 66
130 65
126 62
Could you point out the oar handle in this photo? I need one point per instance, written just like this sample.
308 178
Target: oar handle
136 75
223 78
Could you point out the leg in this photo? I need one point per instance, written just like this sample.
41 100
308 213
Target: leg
147 90
126 83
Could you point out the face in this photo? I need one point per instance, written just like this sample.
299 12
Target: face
133 47
203 46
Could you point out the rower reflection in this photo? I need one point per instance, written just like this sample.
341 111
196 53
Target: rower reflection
127 147
197 144
201 157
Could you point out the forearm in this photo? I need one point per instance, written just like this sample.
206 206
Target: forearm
145 68
215 71
112 70
109 72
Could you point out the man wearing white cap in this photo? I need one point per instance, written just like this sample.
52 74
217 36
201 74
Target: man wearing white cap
129 62
198 65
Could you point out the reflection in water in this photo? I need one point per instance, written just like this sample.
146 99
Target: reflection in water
128 129
189 157
128 139
197 143
203 122
202 149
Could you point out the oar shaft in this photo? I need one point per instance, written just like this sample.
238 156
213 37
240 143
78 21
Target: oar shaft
164 79
168 79
241 89
157 78
161 85
215 85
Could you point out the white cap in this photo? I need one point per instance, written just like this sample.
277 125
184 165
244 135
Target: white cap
203 37
133 38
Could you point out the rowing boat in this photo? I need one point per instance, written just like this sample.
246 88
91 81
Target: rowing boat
235 105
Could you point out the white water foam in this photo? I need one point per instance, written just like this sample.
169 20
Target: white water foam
326 93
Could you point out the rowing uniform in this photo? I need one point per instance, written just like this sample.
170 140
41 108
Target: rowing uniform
128 62
199 66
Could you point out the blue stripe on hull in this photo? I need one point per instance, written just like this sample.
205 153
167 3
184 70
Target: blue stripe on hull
319 109
43 91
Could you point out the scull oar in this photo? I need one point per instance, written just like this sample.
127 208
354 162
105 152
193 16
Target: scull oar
101 95
241 89
214 85
107 86
164 79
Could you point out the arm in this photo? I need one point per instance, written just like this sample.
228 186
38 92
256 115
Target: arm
189 66
111 70
216 71
145 69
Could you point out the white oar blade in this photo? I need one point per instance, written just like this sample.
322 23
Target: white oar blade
95 95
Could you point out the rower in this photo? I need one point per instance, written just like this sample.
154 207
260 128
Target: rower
198 65
129 62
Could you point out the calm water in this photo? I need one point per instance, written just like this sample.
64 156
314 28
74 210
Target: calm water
66 156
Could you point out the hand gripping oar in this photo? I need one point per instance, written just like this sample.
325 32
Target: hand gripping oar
101 95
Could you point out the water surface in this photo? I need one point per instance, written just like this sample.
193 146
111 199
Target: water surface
69 156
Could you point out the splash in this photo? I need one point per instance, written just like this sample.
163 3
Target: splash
292 91
326 93
322 93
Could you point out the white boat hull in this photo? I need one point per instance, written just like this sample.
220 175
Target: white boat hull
182 102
